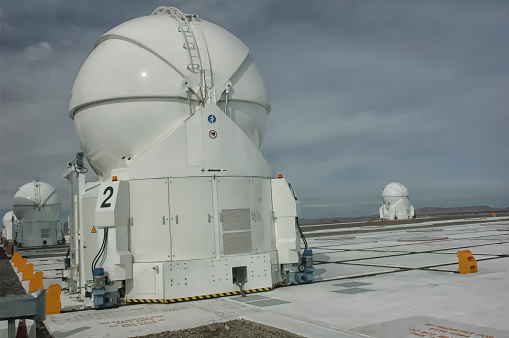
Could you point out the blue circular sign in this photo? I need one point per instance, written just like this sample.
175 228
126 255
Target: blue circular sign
212 118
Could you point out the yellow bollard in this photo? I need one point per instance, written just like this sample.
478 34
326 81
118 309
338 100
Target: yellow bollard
36 282
53 305
493 214
21 264
28 272
467 262
15 257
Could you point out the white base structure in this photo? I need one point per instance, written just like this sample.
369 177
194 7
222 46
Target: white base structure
170 111
36 206
396 204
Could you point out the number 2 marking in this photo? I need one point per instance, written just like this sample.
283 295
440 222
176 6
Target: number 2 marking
104 203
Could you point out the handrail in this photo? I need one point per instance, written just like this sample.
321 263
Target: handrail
30 306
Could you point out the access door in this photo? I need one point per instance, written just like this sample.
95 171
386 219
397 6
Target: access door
192 223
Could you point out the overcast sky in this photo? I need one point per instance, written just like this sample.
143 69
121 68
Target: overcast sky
363 93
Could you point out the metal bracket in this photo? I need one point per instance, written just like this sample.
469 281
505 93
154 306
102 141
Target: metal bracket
241 287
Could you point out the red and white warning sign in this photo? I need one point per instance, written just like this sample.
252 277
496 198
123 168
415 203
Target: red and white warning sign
213 134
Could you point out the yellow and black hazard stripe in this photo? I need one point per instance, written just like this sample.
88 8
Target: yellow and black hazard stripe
136 301
187 299
277 284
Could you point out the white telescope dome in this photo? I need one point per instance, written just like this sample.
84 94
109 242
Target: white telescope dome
147 76
8 223
393 192
7 219
36 200
396 204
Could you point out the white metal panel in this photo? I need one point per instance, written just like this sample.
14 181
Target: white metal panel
234 192
147 282
150 230
88 240
169 158
118 260
211 276
262 225
287 240
285 212
192 222
213 137
194 140
112 208
284 204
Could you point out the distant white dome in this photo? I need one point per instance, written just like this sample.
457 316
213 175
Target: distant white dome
7 224
393 192
396 204
36 199
8 218
137 84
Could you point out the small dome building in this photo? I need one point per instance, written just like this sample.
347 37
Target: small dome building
36 205
396 204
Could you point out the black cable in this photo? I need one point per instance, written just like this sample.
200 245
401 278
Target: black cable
96 256
301 266
301 234
101 250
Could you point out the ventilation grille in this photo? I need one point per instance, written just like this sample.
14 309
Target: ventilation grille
237 242
236 231
44 233
236 219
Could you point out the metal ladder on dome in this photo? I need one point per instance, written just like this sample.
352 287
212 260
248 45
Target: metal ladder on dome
196 61
37 193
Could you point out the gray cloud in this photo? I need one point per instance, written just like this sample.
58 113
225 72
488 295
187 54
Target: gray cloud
363 93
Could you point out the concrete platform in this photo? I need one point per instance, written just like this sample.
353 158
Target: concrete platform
369 284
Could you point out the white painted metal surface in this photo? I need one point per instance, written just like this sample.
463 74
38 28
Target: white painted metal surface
8 221
140 81
285 211
36 201
396 204
170 111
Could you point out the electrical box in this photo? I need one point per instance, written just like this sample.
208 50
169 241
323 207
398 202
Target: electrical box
283 201
285 213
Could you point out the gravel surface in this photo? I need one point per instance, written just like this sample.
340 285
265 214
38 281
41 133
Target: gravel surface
10 285
9 281
232 329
